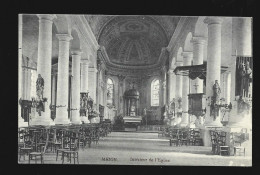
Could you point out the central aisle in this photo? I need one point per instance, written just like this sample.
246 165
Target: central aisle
130 148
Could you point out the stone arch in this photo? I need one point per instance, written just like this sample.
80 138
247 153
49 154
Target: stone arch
63 24
75 42
201 28
187 44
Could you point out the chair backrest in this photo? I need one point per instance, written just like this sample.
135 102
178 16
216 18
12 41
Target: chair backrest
47 141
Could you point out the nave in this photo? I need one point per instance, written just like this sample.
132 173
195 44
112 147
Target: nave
142 148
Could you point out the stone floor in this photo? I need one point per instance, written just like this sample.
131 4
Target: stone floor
129 148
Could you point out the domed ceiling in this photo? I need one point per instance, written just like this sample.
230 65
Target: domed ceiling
133 40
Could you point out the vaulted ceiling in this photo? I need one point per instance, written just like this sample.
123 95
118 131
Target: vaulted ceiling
133 40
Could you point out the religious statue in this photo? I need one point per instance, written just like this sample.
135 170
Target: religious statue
216 92
214 105
246 78
179 107
40 107
83 104
40 86
144 111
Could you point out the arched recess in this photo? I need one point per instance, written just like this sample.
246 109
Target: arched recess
179 55
188 47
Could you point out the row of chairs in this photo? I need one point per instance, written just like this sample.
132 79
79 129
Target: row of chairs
184 136
64 140
218 142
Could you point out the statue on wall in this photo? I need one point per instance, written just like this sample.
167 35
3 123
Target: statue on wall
40 86
214 105
40 106
83 104
216 92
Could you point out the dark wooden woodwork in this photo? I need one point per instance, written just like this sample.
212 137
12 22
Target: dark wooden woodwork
196 105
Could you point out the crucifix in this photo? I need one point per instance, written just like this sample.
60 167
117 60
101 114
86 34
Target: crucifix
196 87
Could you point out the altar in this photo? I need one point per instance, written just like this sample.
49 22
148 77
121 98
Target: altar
131 111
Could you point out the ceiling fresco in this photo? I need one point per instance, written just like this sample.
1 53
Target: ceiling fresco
133 40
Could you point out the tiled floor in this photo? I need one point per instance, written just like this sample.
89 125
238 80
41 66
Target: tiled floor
129 148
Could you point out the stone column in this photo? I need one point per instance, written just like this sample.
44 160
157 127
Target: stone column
44 64
92 83
213 64
178 93
63 79
84 83
171 85
21 122
198 50
187 57
227 87
53 90
171 90
76 56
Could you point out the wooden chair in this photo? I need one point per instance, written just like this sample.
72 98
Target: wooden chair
26 147
184 138
72 153
224 149
41 153
238 149
161 132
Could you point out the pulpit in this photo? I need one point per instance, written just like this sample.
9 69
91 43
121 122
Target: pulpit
131 114
25 109
197 104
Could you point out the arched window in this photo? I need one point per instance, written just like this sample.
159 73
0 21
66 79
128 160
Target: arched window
110 91
155 87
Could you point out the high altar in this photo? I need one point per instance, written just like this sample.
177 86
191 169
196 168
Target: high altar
131 113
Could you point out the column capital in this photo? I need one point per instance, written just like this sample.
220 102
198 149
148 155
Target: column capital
198 40
213 20
84 61
170 71
187 54
47 17
64 37
76 52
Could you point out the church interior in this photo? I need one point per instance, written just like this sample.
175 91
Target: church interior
135 90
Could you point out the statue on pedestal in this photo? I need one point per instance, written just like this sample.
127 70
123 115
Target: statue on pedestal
214 106
39 92
216 92
40 86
